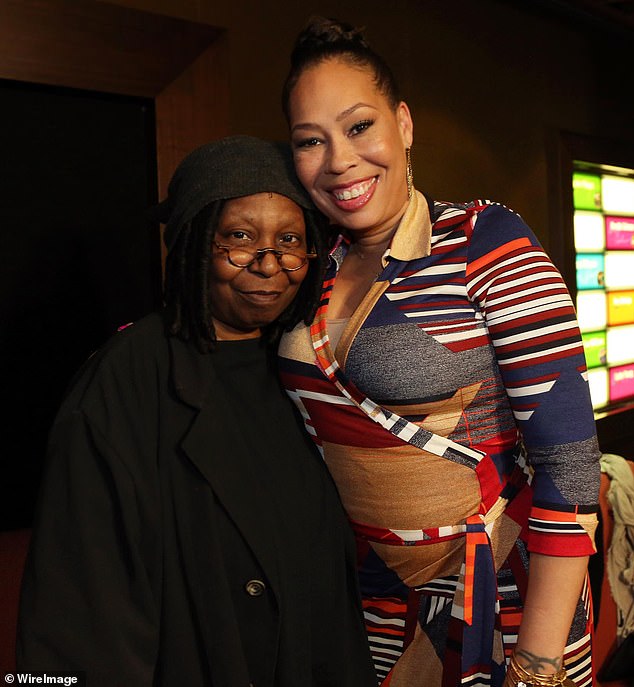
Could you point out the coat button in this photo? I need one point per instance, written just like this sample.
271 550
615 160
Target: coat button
255 587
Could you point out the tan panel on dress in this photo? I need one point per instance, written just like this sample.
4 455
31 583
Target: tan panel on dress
402 487
503 537
442 417
297 345
419 666
417 565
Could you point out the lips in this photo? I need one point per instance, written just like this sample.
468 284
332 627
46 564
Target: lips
351 197
260 297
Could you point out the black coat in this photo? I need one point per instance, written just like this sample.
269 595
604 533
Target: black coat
126 577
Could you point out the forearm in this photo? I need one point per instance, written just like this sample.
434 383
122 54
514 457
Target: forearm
554 586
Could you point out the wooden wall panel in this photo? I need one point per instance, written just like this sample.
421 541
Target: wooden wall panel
96 46
192 110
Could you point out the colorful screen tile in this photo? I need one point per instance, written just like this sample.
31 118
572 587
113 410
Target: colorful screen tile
591 310
589 232
590 270
620 345
594 346
621 382
617 195
620 308
586 190
598 383
619 269
619 233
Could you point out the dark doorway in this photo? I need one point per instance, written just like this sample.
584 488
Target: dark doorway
78 255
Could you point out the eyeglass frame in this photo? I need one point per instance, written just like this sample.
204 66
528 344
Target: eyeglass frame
259 253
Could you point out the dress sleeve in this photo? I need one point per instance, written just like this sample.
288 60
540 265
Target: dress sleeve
533 328
87 598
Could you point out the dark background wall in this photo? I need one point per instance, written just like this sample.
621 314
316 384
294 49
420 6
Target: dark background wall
79 257
487 81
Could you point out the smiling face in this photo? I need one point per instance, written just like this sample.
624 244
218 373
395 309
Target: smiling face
245 299
349 146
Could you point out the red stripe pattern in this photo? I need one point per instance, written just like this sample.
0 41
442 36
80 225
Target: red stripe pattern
468 357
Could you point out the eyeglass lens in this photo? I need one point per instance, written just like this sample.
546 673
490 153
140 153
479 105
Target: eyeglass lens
287 261
240 257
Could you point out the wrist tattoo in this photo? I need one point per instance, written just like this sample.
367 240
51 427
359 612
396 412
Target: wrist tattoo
536 664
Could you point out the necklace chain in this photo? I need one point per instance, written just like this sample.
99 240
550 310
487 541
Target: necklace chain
363 256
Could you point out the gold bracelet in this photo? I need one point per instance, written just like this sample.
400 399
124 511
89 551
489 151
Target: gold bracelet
522 678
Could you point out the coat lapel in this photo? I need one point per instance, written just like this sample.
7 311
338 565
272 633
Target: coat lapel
215 446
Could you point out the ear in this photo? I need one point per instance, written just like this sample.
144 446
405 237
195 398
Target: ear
405 124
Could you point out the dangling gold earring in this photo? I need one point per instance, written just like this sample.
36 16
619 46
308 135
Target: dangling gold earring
409 173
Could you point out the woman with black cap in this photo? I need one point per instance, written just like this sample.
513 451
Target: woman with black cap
187 533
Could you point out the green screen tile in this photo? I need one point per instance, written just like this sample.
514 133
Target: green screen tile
594 346
586 189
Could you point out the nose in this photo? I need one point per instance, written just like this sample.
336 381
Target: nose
340 155
266 264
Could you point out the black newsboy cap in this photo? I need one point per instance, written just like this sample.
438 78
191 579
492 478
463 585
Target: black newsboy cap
231 167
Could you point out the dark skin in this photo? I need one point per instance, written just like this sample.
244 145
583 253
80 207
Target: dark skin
246 299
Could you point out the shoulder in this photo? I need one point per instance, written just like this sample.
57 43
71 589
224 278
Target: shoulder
486 226
146 331
126 364
498 230
134 344
444 212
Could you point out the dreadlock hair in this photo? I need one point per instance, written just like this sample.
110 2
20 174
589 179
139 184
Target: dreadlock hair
324 39
186 289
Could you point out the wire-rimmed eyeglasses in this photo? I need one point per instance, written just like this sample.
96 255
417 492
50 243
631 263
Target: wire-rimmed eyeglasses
287 260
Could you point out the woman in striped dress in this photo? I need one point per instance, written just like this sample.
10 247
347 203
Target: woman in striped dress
444 381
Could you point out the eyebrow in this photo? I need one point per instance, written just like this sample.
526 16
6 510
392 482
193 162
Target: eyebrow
350 110
338 118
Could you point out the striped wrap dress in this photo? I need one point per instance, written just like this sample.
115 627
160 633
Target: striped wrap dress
455 418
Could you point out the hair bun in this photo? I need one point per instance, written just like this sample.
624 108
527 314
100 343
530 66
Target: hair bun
329 39
321 33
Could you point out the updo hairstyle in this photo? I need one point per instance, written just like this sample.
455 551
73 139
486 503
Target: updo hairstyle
325 39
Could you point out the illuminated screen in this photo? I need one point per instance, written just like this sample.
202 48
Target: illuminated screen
619 269
620 307
595 348
617 195
587 191
619 233
589 232
619 345
591 310
604 245
621 382
598 383
590 270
